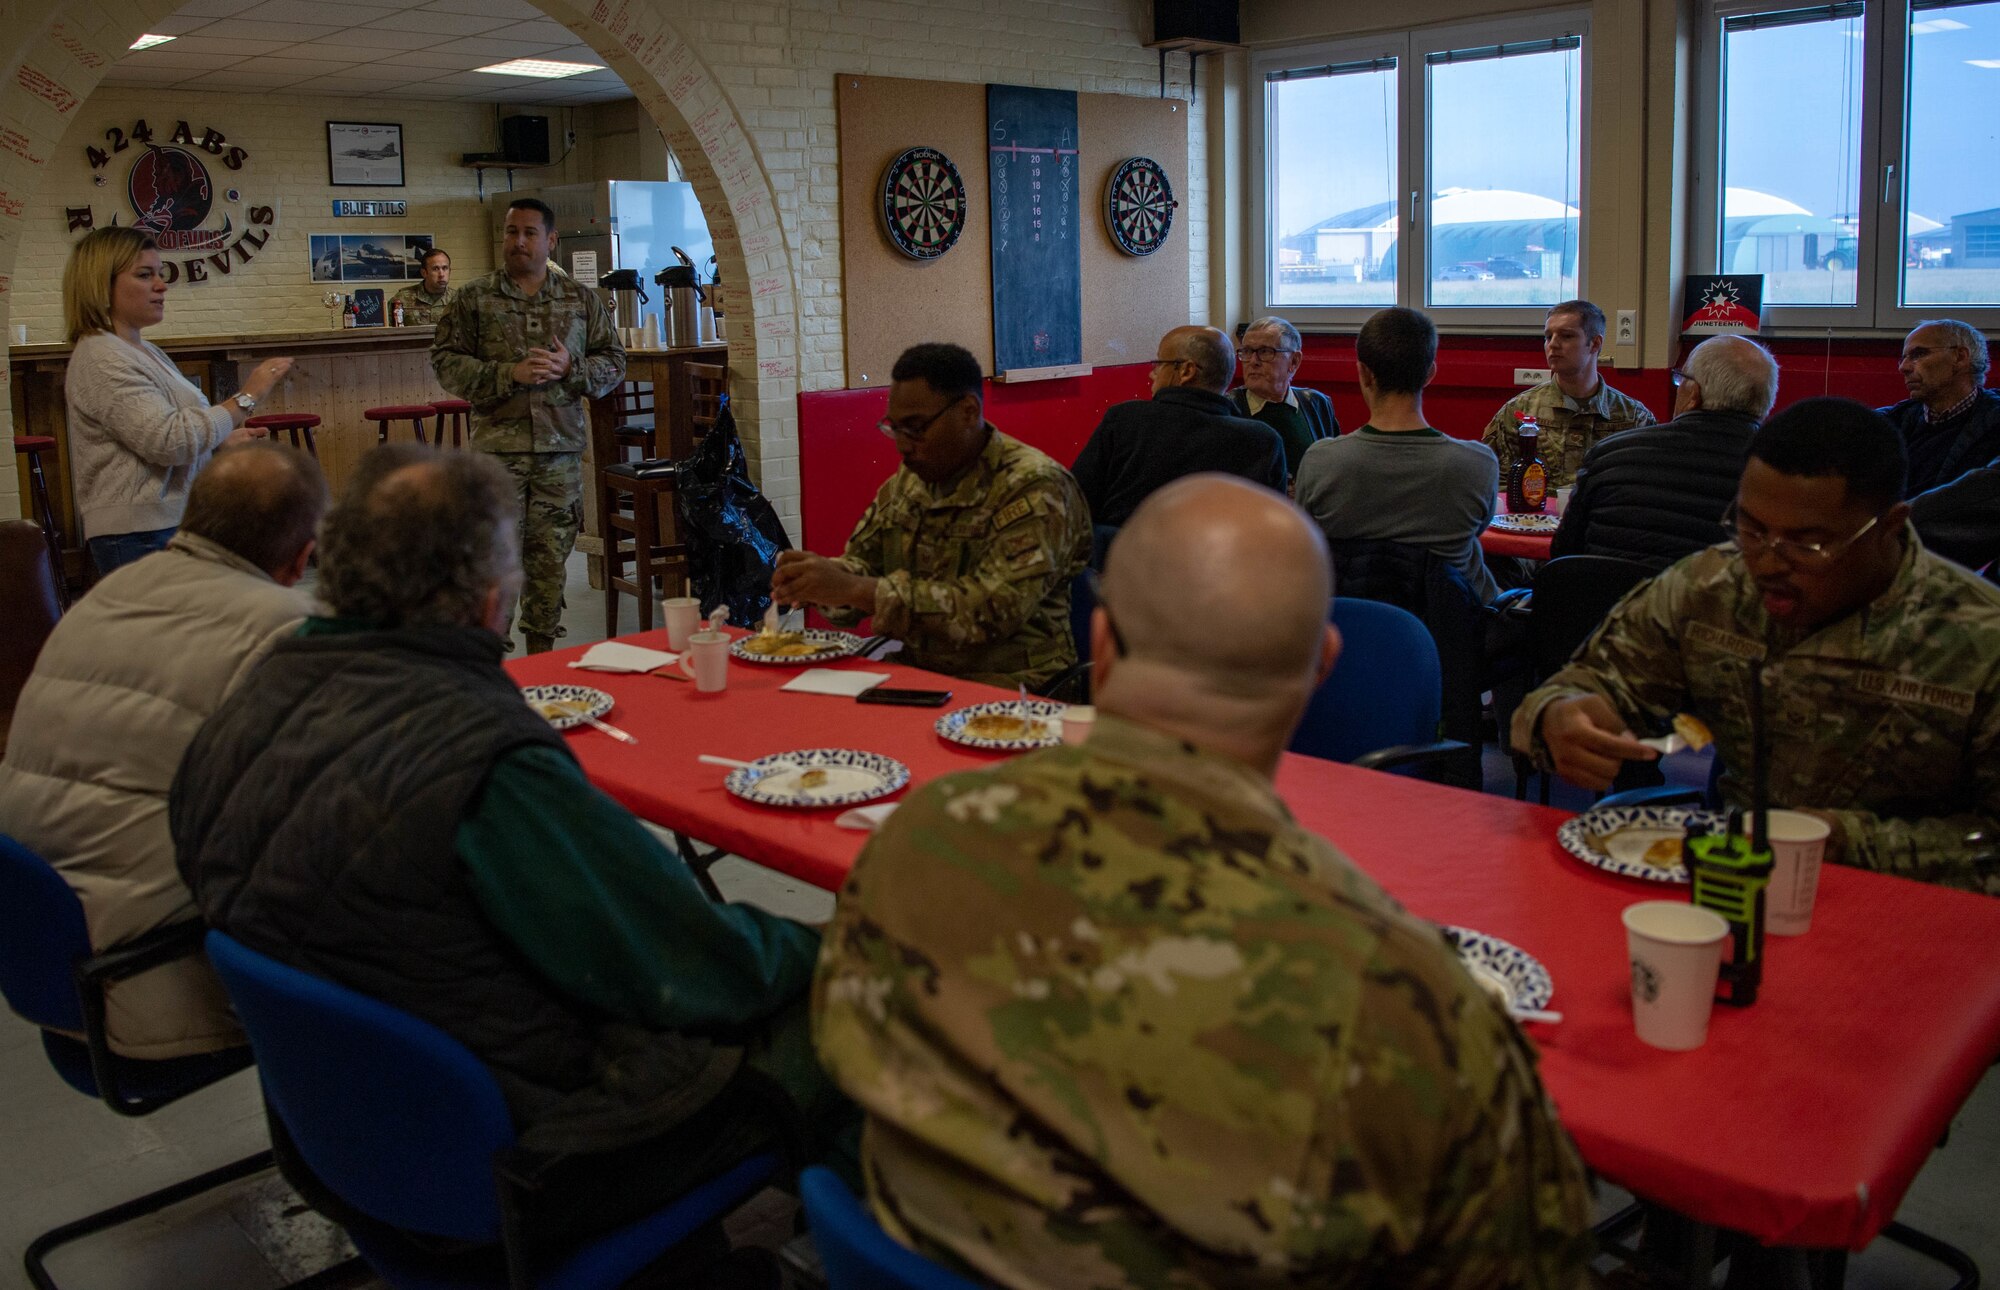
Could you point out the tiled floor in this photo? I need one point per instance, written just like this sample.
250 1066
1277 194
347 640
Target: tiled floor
62 1155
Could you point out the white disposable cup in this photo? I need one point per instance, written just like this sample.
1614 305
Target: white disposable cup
1798 846
1562 499
683 615
1675 950
707 660
1077 719
20 333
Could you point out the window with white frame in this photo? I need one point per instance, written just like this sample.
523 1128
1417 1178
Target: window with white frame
1441 169
1848 157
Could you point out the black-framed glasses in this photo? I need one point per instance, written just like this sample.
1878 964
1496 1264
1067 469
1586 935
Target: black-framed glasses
1162 362
914 433
1678 377
1090 579
1264 353
1810 555
1922 352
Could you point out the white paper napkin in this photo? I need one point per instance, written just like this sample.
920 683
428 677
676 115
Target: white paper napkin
866 817
827 680
614 656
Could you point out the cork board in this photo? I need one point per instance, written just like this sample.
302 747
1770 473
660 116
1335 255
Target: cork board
891 302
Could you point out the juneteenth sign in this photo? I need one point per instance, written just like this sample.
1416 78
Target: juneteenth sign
173 196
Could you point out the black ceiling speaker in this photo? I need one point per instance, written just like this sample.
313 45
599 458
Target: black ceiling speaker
1196 20
524 140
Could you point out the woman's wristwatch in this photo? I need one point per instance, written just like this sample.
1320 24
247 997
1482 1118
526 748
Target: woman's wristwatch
247 401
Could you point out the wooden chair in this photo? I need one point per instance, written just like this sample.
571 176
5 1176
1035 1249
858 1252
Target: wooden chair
32 447
637 419
635 504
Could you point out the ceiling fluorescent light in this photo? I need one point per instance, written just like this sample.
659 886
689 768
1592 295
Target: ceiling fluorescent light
148 41
540 68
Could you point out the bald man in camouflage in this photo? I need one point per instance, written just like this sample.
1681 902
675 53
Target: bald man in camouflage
1118 1022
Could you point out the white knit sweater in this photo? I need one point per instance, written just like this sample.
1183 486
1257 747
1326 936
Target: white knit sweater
138 432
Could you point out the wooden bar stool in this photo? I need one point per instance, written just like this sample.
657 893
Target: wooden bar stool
457 414
414 413
32 446
299 425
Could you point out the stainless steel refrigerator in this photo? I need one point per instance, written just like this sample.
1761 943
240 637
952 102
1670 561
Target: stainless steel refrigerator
624 224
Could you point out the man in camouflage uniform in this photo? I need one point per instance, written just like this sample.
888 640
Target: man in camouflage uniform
967 552
528 349
1881 661
425 303
1575 408
1117 1021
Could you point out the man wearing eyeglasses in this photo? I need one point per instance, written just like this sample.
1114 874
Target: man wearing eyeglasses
1881 661
1188 427
1270 351
1653 495
1951 427
967 552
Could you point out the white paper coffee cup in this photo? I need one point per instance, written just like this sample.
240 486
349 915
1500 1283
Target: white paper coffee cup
1562 499
1798 847
683 618
1675 950
706 661
1077 720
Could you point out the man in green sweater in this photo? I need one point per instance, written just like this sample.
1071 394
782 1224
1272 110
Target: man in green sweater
380 808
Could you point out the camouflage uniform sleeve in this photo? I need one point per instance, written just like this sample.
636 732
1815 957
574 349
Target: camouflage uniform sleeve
1447 1123
602 364
863 555
1033 543
462 369
1633 660
1935 849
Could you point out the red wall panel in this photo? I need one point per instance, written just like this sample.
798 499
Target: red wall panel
843 459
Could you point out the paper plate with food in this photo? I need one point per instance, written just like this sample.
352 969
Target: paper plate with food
565 706
1006 726
1636 841
1515 978
816 777
812 645
1526 522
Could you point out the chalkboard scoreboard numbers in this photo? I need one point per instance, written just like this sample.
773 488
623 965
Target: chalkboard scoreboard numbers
1032 168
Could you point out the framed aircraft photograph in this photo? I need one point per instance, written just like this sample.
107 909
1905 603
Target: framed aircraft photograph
364 154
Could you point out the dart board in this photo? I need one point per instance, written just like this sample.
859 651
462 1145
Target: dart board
923 203
1139 206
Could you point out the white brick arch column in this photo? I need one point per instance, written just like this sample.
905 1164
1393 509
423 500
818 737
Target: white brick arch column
54 52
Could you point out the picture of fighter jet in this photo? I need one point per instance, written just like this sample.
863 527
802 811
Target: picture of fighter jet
365 259
386 152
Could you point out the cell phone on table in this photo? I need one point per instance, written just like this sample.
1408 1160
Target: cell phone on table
905 698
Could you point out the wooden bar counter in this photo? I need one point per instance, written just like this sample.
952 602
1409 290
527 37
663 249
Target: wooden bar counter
337 375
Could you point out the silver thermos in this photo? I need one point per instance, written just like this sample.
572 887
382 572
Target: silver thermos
628 298
680 304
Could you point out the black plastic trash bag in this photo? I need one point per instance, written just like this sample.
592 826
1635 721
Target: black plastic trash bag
732 533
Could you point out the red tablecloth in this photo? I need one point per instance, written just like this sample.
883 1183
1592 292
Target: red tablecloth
1803 1119
1525 546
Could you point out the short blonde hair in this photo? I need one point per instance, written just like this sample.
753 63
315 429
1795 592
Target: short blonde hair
94 263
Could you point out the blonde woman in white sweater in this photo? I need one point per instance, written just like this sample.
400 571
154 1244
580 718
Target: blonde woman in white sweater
138 429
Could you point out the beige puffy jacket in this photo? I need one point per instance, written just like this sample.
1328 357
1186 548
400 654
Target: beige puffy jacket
125 680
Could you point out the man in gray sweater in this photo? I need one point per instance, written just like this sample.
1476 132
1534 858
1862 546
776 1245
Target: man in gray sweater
1396 479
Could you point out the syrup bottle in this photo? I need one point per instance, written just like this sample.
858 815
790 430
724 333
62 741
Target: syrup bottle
1528 481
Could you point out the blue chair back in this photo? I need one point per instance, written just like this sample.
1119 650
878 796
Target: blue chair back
858 1254
42 938
1384 691
399 1119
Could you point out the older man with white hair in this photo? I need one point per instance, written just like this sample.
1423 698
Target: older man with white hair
1657 493
1271 352
1951 429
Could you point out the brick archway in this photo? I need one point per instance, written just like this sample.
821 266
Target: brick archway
53 63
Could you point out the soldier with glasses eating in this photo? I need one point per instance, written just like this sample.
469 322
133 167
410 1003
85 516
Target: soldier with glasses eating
1881 661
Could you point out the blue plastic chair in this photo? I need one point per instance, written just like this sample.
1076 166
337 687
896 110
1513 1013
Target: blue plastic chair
856 1253
1380 706
402 1123
52 980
